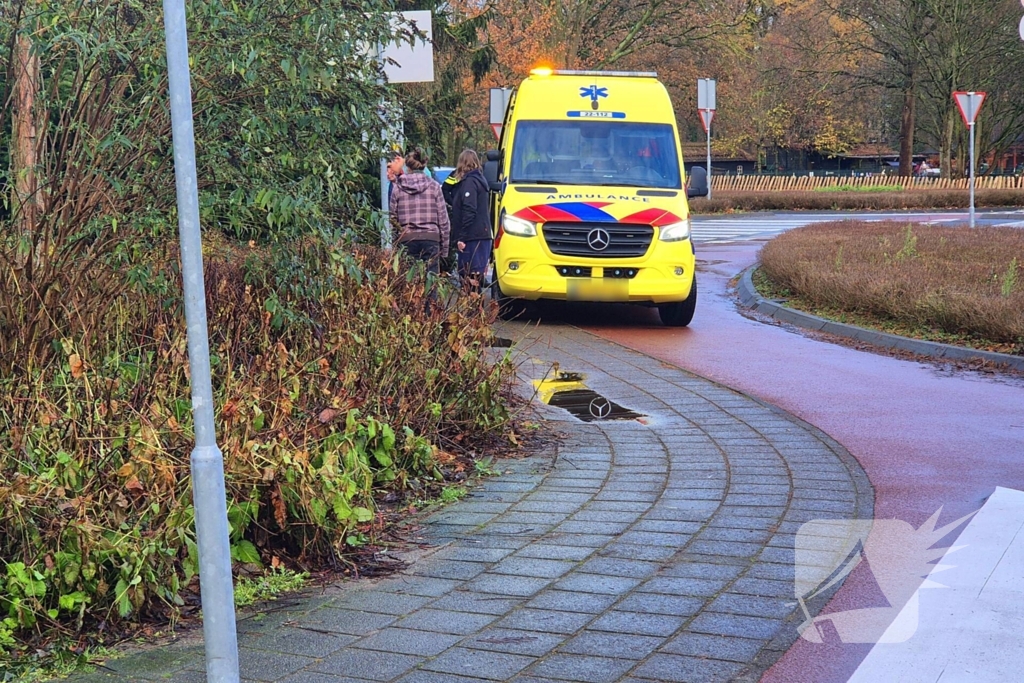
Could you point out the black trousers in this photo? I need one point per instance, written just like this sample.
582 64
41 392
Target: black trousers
425 251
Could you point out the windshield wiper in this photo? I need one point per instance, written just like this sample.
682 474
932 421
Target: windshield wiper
537 182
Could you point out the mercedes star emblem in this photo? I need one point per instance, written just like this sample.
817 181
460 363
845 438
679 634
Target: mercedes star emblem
600 407
598 239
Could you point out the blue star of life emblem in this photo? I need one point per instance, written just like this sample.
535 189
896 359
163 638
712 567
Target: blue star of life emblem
593 92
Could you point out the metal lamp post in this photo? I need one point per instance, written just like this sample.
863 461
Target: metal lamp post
208 493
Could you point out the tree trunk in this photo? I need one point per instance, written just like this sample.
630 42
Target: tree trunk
946 145
907 124
24 148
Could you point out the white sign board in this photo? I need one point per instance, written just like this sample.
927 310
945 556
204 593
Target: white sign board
499 104
413 63
969 104
706 93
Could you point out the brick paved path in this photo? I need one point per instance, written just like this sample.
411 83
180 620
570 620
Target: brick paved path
642 552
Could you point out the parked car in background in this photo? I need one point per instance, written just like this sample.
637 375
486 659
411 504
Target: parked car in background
441 173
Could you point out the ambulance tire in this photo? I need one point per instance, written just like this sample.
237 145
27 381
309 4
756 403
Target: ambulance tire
680 313
508 307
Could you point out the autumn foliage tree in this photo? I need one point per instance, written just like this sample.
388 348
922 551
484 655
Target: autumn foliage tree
819 76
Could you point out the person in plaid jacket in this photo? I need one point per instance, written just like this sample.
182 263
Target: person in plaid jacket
419 215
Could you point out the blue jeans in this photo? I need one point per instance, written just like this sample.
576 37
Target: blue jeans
473 259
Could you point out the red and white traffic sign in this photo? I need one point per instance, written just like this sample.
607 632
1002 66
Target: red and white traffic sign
705 118
969 104
496 127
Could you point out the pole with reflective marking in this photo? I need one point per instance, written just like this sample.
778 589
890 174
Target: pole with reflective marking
208 493
971 127
709 161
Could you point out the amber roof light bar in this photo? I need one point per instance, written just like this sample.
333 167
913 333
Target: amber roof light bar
627 74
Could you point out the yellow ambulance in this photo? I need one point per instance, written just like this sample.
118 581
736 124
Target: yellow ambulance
591 200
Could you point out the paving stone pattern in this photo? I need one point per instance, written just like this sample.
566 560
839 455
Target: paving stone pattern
643 551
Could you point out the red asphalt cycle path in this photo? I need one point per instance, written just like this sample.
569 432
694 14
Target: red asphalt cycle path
927 437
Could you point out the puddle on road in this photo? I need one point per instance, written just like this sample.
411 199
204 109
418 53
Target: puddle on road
568 391
590 406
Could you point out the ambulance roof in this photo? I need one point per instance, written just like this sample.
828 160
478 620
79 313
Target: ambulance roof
627 96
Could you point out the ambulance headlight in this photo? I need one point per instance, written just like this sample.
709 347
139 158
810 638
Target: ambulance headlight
676 231
518 226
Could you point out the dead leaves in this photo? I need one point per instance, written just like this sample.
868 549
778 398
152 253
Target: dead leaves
328 414
280 511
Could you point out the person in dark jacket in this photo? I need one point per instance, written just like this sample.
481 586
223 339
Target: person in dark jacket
418 212
471 220
448 190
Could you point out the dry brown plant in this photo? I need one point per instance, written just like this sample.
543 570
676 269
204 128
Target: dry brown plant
951 279
838 201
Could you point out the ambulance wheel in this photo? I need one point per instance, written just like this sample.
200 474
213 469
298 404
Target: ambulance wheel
508 307
680 313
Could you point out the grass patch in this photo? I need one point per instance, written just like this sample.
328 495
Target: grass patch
484 467
861 188
250 590
450 494
946 284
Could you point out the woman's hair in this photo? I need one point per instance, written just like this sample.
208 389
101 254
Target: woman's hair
468 161
416 159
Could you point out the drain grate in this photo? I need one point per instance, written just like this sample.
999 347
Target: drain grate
500 343
590 406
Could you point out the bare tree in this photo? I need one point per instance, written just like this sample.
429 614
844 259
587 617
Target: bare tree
895 31
973 46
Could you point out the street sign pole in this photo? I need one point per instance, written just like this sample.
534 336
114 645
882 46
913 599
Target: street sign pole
709 162
208 493
969 104
971 128
1020 28
706 106
402 62
499 98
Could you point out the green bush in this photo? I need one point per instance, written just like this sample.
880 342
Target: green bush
333 378
288 139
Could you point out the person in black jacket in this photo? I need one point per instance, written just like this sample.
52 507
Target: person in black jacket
471 221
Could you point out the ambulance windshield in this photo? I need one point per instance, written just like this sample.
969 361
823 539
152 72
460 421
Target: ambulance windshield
612 153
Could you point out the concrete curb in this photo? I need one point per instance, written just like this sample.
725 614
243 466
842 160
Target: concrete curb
751 299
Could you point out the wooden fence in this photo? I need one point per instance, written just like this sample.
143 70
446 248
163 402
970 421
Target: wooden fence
764 183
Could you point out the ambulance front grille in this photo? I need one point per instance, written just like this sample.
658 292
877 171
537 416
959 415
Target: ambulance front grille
624 240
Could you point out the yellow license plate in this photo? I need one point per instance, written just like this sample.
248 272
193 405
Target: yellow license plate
597 289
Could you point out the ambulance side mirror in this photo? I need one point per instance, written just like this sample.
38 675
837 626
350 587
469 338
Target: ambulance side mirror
492 166
697 184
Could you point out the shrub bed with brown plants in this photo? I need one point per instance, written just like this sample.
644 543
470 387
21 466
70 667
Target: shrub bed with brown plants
852 201
950 284
334 381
